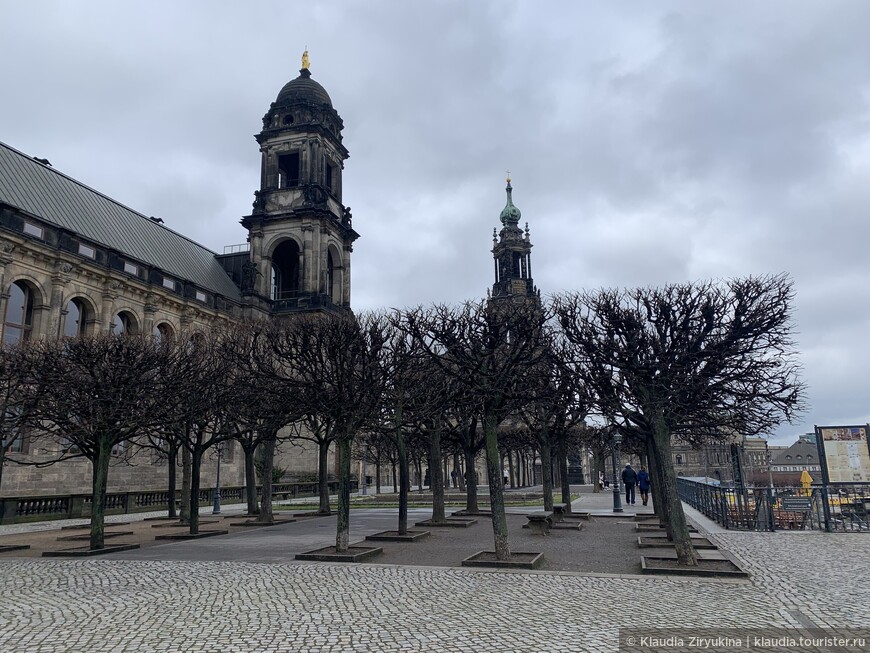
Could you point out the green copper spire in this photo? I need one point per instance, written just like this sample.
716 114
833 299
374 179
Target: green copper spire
510 215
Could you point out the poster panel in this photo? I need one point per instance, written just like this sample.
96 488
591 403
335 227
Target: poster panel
845 453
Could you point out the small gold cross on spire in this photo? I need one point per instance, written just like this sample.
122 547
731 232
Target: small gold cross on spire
508 180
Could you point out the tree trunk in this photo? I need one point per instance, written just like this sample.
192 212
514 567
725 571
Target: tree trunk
436 480
496 490
670 499
546 468
323 476
378 475
251 477
98 502
404 477
418 466
457 470
195 469
265 516
471 504
395 478
595 473
185 485
562 457
342 534
172 473
655 485
511 476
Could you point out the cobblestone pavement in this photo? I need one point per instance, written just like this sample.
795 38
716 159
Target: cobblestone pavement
65 606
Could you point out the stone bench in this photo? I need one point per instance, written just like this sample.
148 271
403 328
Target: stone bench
539 522
559 511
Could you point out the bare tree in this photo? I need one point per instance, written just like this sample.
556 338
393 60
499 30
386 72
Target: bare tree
487 348
95 395
205 402
260 408
332 362
18 394
695 360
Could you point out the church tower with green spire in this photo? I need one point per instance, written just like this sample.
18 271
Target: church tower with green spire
512 251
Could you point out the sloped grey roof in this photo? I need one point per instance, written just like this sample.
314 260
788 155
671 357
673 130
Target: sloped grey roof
55 198
802 449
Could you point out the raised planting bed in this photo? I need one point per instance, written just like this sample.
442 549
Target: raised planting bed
706 567
274 522
313 513
474 513
83 527
393 536
6 548
86 536
85 552
658 528
581 516
641 516
353 554
567 526
697 542
518 560
188 536
447 523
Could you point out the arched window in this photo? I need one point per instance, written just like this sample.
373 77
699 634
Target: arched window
76 319
122 323
330 276
285 270
18 323
163 332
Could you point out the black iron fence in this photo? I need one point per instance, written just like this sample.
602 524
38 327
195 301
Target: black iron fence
76 506
841 507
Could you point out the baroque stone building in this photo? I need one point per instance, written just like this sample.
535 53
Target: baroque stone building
76 262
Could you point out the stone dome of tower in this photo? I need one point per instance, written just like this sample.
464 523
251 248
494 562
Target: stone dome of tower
303 89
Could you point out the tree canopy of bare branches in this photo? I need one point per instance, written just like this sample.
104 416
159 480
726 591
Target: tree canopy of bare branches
694 360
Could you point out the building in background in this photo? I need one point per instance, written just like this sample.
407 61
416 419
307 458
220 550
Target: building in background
75 262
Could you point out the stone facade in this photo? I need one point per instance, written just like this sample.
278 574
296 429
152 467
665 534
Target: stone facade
75 263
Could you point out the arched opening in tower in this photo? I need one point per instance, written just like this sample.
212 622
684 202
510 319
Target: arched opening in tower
285 270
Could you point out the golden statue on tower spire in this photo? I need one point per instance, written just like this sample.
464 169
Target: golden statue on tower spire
305 62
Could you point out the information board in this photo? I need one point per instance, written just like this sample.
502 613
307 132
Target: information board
845 453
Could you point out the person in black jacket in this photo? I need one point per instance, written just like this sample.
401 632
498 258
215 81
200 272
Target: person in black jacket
643 484
629 478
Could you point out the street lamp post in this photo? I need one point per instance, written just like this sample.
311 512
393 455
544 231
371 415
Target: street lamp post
217 482
617 493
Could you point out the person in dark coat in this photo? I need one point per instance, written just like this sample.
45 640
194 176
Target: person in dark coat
629 478
643 484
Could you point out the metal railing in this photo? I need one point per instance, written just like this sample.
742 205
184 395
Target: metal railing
77 506
841 507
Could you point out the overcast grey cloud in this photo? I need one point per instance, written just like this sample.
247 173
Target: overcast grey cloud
648 142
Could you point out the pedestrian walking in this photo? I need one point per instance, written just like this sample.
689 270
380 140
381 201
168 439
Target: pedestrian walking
643 484
629 479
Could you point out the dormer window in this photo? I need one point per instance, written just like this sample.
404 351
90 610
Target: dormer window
169 283
131 268
288 119
84 250
32 229
201 296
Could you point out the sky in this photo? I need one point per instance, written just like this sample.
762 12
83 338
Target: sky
648 143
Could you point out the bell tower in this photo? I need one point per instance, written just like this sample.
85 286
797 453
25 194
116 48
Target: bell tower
299 231
512 251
